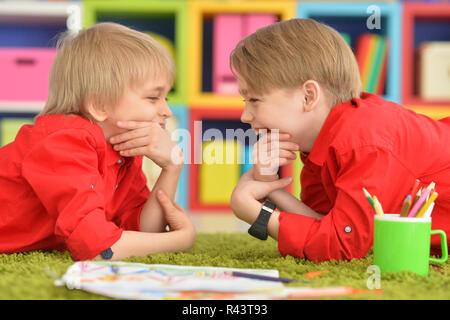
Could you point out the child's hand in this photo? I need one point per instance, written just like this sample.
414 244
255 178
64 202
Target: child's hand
271 152
248 190
147 139
175 215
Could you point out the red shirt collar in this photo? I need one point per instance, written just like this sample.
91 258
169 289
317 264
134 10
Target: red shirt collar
319 150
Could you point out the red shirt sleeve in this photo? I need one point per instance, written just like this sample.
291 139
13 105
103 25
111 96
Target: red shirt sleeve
346 232
63 170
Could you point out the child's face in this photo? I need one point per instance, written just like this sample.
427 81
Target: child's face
143 102
281 109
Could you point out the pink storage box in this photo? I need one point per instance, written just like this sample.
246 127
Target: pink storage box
228 30
24 73
227 33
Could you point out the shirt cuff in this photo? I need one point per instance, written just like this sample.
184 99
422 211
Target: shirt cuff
292 233
92 235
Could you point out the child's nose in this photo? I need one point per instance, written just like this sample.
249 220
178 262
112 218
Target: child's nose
165 110
246 116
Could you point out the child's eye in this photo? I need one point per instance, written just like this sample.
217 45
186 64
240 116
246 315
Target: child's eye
251 100
157 98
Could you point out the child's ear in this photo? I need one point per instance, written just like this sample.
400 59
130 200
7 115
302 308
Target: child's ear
311 91
98 114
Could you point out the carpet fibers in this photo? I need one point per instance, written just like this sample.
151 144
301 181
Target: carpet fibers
29 275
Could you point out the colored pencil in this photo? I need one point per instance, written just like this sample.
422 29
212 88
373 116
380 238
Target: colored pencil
431 187
260 277
406 205
416 197
425 207
429 211
369 197
419 203
415 188
378 207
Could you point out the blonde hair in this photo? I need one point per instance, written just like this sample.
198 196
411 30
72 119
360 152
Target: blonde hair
98 64
288 53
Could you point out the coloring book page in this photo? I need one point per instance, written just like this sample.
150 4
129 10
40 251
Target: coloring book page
157 281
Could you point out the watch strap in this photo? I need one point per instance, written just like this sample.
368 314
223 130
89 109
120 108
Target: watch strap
107 254
259 228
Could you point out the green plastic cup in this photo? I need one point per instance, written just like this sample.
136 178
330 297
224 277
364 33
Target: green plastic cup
403 244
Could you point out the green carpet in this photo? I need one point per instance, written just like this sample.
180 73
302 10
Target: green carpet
25 275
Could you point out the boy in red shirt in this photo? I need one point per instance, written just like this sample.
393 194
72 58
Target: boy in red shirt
73 180
301 78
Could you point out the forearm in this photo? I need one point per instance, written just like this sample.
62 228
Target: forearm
248 210
285 201
280 198
152 215
133 243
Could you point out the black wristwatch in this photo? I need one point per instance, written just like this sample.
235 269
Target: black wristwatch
259 228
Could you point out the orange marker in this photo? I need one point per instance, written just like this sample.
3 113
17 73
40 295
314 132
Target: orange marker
313 274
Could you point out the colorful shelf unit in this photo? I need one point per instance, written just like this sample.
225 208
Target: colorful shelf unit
423 22
200 51
353 19
164 20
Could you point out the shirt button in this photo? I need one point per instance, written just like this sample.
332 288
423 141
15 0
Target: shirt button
116 187
119 161
92 186
348 229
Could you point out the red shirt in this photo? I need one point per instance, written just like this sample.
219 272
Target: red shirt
62 186
371 143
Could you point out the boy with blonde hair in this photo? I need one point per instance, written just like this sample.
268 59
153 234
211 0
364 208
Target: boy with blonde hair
73 180
300 79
